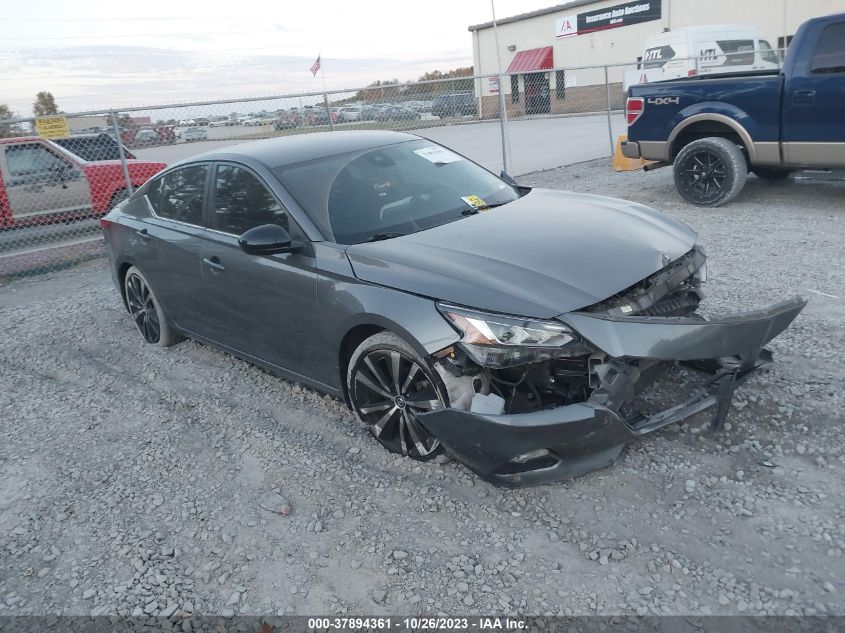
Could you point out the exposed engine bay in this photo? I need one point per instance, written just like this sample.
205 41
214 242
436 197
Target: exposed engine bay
674 291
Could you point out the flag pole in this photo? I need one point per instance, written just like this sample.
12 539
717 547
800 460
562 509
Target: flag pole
325 95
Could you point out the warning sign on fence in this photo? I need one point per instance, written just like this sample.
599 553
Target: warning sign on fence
52 126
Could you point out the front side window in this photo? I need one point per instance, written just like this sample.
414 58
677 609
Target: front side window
242 202
830 52
178 195
32 159
401 188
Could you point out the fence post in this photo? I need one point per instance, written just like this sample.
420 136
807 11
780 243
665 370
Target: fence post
609 123
120 152
503 121
328 111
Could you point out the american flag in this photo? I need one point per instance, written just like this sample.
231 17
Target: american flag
315 67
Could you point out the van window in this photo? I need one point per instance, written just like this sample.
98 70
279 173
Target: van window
737 52
767 54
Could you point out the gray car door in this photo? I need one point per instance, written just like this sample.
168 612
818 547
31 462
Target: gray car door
167 249
261 306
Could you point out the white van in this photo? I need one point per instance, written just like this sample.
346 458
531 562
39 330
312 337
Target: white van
699 50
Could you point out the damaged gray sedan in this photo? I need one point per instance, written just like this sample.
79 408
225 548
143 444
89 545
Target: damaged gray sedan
520 331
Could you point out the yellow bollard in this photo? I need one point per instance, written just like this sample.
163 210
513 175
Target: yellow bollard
623 163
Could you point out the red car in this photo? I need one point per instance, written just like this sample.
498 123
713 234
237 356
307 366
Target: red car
42 182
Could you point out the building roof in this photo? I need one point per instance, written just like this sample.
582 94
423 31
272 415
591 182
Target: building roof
533 14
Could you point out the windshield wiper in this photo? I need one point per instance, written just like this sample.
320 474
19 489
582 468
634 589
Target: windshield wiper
377 237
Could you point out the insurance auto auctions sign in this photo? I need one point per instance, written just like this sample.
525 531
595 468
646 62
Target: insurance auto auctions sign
608 18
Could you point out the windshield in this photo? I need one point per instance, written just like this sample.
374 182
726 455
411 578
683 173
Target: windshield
391 190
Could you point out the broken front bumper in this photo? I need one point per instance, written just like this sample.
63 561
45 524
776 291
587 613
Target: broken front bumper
568 441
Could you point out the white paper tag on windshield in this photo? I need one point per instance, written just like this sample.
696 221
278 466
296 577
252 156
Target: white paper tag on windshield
438 155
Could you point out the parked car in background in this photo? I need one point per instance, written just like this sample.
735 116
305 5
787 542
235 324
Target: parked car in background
41 181
715 128
250 121
319 116
93 147
397 113
449 307
702 50
285 121
194 134
219 123
457 104
145 137
348 114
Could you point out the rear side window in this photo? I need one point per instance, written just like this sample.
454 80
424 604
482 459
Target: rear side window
179 194
830 52
242 202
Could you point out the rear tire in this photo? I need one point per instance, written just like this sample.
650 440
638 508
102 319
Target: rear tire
710 172
146 311
773 174
389 384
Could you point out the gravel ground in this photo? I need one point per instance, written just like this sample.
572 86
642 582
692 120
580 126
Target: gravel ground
136 480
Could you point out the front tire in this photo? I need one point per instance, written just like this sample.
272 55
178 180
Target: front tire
389 384
710 172
146 311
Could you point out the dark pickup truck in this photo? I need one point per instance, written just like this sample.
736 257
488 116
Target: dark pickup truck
717 128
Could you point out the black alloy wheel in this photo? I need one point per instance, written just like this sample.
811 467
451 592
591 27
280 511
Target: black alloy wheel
703 176
710 171
142 307
388 389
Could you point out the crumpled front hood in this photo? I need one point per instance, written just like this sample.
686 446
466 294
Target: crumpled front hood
547 253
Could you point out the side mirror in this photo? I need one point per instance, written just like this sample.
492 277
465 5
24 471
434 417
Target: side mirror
268 239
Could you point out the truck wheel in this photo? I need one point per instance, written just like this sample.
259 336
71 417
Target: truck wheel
771 173
710 172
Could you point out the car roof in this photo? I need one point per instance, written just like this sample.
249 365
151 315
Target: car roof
277 152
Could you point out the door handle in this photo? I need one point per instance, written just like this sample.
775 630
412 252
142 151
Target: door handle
144 235
803 96
214 264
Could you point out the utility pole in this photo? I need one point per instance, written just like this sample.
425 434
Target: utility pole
503 115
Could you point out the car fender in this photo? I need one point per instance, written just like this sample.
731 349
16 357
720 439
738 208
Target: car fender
345 303
727 114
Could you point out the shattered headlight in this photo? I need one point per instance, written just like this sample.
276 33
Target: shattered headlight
496 341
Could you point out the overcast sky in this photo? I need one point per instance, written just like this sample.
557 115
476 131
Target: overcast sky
106 54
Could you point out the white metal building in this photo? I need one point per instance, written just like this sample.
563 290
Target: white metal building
535 47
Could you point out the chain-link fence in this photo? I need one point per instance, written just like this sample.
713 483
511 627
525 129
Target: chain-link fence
55 185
